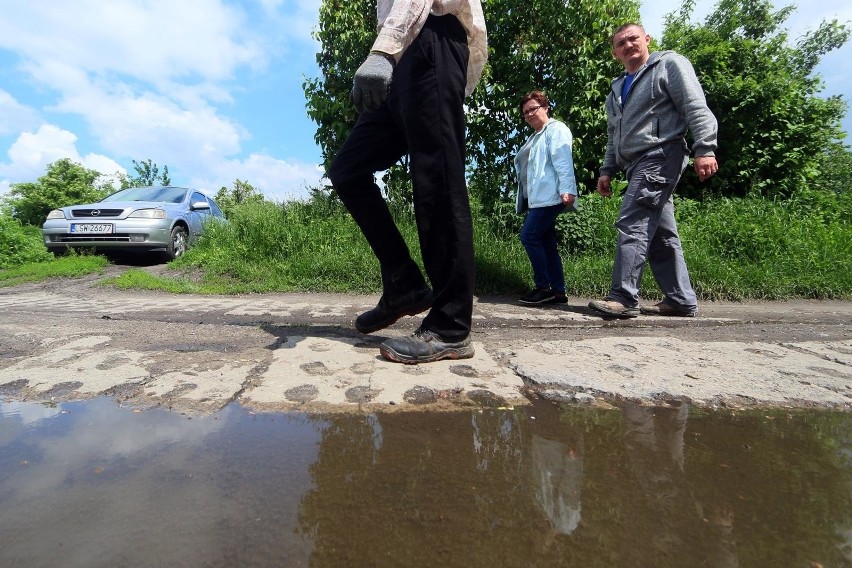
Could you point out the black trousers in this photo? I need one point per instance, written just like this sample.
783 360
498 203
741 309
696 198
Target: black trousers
424 118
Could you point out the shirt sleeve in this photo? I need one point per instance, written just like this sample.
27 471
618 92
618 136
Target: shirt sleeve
688 96
563 162
609 166
399 23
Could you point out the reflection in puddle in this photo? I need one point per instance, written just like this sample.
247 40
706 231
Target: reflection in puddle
93 484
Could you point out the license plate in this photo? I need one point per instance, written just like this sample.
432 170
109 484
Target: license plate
91 228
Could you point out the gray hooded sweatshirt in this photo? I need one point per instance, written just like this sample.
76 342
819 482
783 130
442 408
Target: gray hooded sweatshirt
664 100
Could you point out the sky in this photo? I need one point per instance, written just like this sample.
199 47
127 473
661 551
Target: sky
210 88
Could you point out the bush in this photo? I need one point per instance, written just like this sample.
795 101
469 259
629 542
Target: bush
19 244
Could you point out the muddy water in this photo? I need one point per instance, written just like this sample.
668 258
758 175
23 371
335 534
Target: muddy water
94 484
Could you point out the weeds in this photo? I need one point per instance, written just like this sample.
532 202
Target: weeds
745 248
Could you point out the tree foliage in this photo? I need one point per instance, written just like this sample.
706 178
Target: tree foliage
561 49
773 125
526 51
241 192
346 32
64 183
147 174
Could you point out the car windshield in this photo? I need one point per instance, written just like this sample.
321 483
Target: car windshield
165 194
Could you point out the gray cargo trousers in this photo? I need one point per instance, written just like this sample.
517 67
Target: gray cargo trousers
647 229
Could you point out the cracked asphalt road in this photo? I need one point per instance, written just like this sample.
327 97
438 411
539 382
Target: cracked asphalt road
69 339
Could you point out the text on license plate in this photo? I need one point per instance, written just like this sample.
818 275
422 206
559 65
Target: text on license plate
90 228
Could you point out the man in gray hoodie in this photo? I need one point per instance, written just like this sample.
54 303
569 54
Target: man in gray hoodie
649 109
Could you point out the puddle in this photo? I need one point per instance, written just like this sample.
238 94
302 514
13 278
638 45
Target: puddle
95 484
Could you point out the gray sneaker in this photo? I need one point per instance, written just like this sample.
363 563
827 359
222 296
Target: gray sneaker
614 308
424 347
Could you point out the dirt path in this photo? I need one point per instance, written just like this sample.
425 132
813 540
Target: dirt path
73 339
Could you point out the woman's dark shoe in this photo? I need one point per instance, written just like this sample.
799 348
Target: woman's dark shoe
392 308
538 296
559 298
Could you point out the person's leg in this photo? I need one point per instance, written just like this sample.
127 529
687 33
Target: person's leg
646 205
550 240
374 144
665 257
536 228
434 70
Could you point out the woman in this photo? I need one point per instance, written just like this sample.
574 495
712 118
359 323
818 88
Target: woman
546 187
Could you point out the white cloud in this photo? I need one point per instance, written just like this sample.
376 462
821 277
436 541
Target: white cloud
33 151
149 79
152 125
155 40
14 116
279 180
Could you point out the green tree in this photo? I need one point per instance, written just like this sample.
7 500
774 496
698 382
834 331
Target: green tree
835 166
773 125
64 183
240 193
563 51
346 32
526 51
147 173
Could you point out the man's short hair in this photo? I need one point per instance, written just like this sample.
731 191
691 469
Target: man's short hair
623 27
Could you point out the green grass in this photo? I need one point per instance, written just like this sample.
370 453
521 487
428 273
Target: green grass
63 267
736 249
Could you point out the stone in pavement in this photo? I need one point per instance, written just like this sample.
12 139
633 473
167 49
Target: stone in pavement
344 370
650 368
66 340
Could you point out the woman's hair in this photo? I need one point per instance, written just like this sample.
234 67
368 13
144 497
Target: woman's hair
538 97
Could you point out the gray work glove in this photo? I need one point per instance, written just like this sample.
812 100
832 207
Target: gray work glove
372 81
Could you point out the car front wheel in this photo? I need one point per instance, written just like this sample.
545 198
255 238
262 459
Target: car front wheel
177 242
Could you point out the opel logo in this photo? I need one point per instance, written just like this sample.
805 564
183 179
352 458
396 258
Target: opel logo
96 212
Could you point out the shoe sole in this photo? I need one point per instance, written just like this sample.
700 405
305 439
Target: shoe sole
419 309
453 353
544 301
668 315
614 313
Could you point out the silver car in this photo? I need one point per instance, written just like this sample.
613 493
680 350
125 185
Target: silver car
165 218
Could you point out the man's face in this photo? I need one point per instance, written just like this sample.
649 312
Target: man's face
630 46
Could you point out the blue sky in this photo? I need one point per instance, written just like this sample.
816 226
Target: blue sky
211 88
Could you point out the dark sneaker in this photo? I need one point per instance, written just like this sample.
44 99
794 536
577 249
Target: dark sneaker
390 309
559 298
424 347
537 296
666 309
614 308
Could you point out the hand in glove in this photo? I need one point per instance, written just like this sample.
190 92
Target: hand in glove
372 81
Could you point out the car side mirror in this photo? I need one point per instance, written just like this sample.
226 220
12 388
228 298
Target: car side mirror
199 205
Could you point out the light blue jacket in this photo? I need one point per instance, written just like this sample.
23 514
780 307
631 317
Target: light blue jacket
549 170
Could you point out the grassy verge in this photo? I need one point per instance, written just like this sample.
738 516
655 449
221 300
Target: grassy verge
67 267
735 248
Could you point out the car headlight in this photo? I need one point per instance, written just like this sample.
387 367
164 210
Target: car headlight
148 214
56 214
